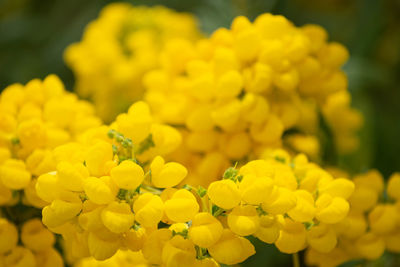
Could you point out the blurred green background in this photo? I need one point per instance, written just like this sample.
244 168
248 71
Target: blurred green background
34 33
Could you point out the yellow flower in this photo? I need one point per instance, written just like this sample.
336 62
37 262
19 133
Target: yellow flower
205 230
353 226
224 194
47 187
98 191
331 210
102 246
268 231
49 258
134 239
8 236
243 220
178 252
304 211
254 189
127 175
280 201
370 246
392 242
14 174
136 124
5 194
32 134
117 217
164 175
148 209
228 243
382 219
91 220
152 247
71 176
35 236
322 238
40 161
20 256
96 157
340 187
61 211
30 196
393 187
182 206
292 237
363 198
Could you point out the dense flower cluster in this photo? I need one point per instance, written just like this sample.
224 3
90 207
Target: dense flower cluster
101 191
118 48
113 190
34 249
289 202
34 119
221 150
372 225
261 84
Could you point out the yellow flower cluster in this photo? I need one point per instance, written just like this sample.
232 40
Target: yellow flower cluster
36 248
372 225
114 191
119 47
256 85
104 187
147 190
121 258
34 119
291 203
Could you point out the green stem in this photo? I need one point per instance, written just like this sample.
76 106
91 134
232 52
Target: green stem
296 260
151 189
